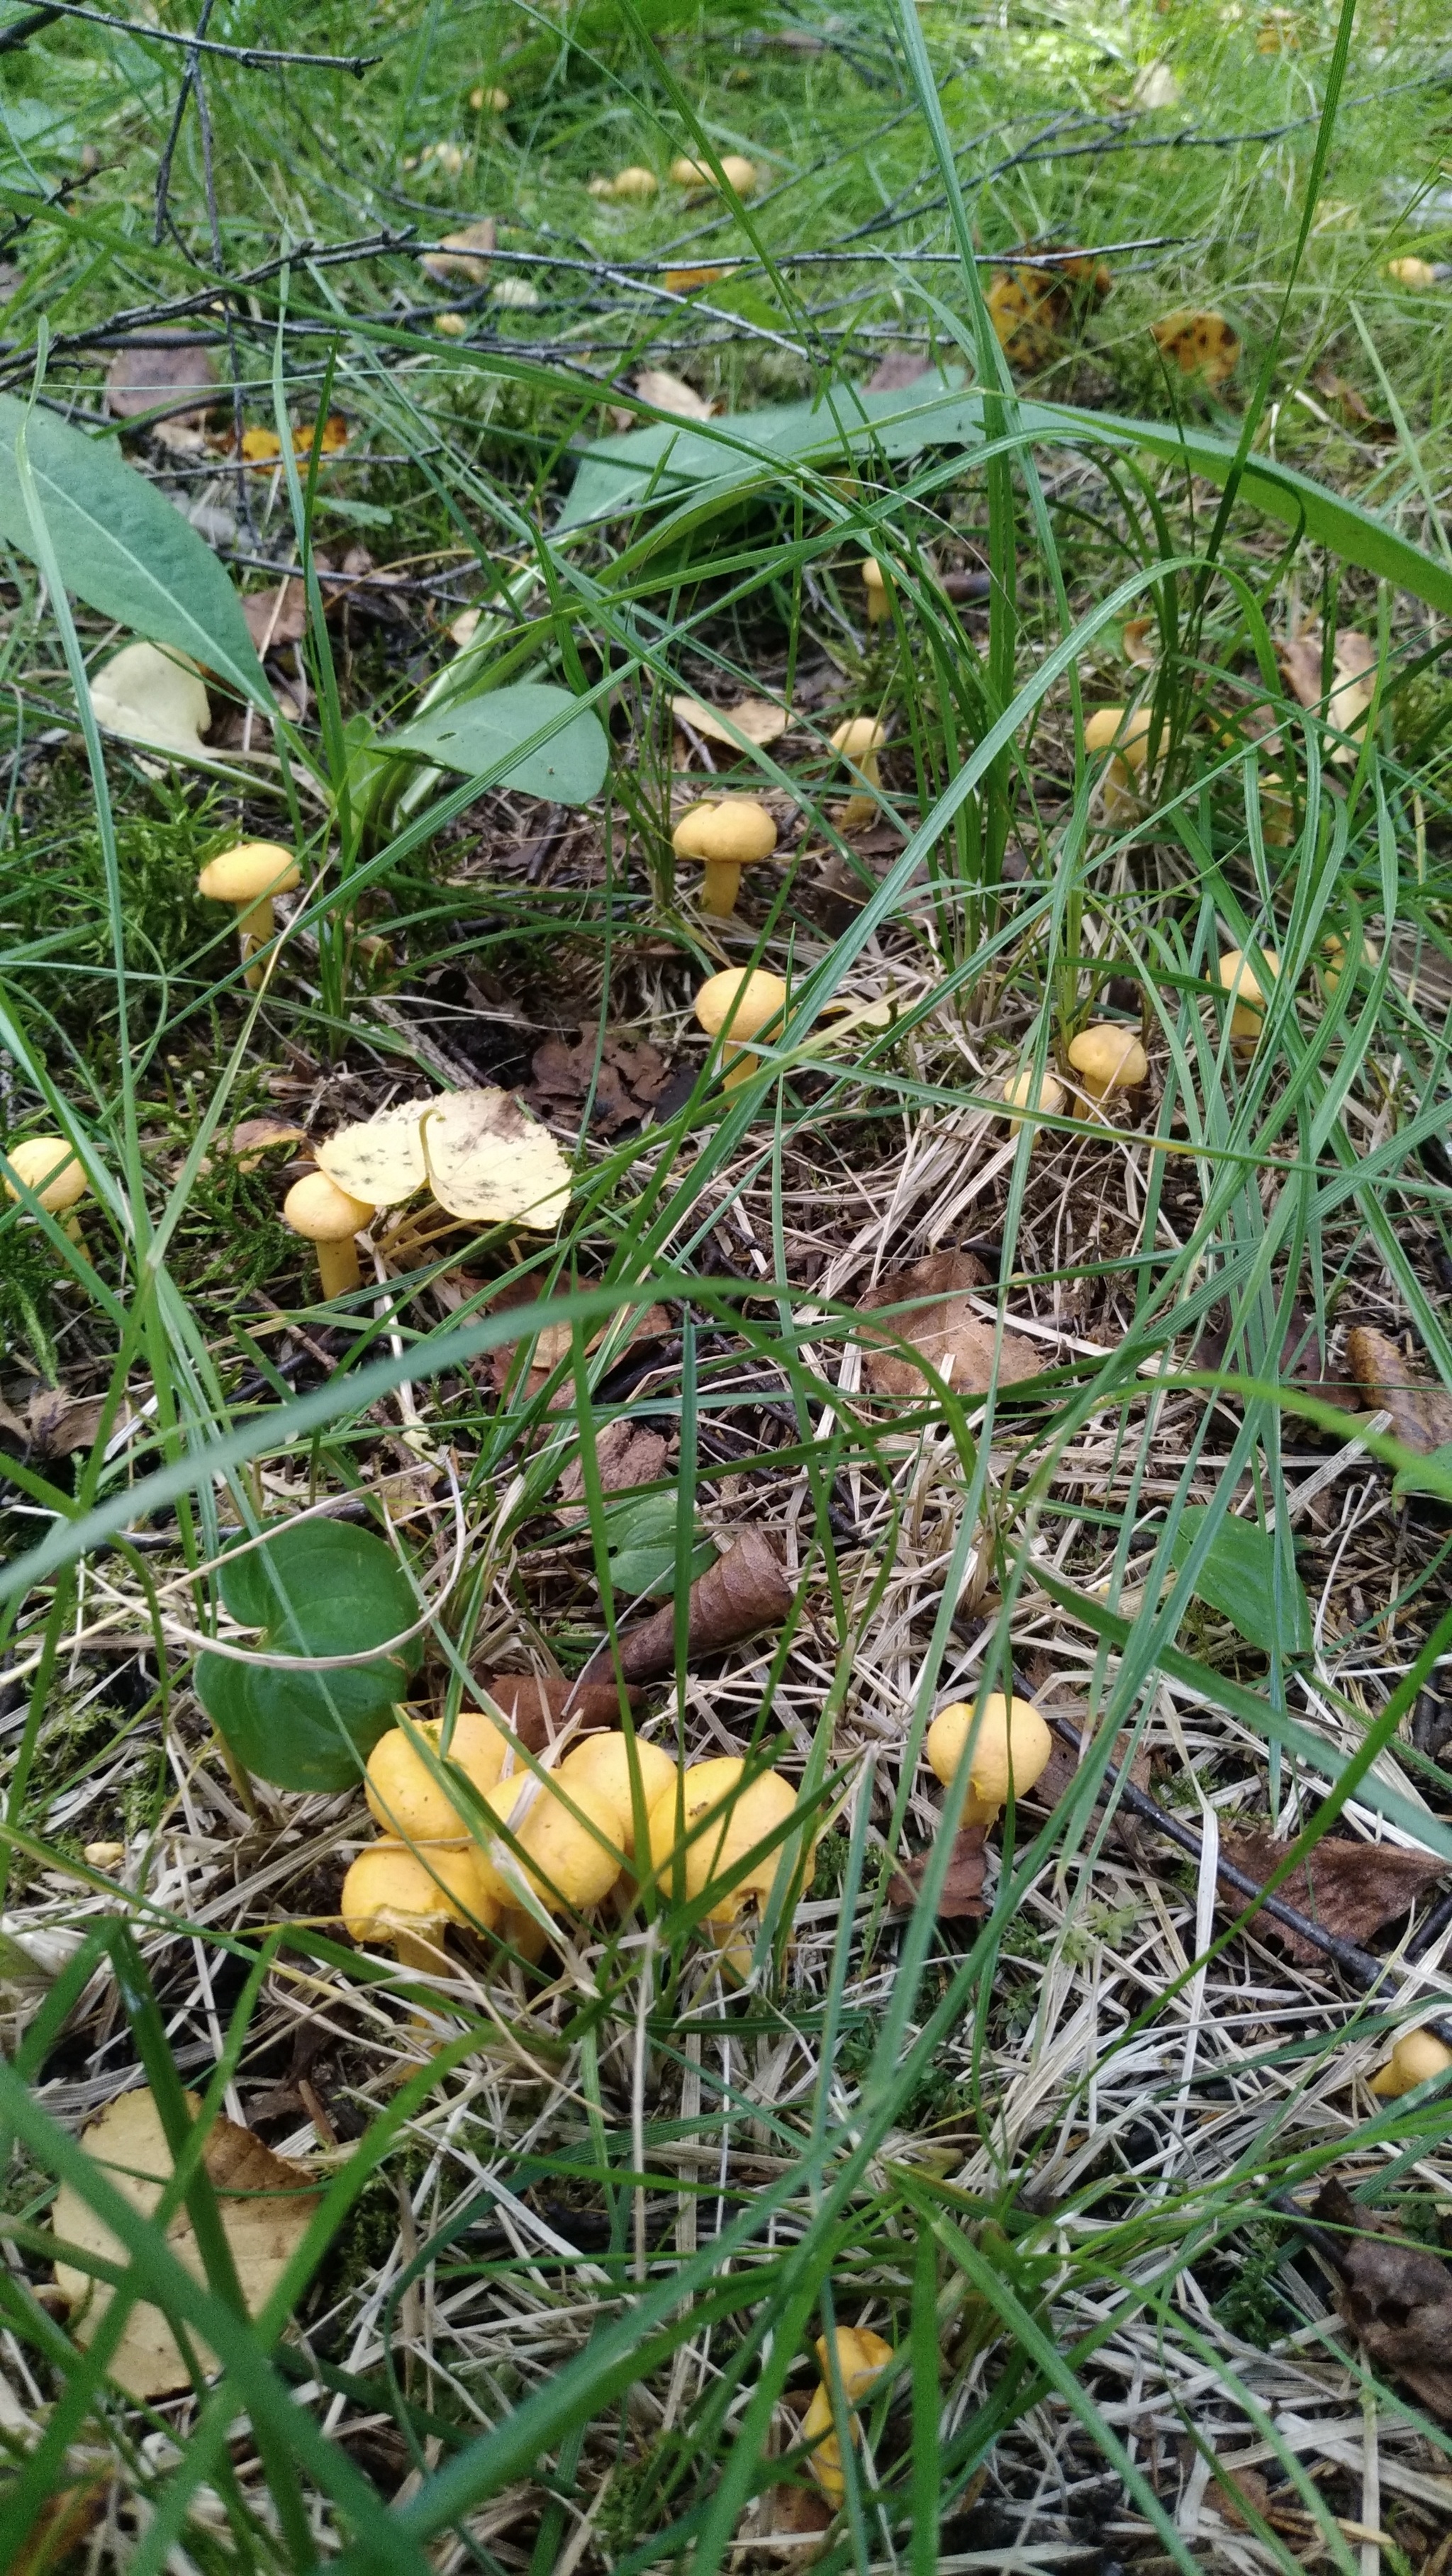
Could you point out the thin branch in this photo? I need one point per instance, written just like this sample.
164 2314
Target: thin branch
252 57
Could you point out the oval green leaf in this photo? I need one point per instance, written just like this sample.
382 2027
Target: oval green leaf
1248 1581
533 738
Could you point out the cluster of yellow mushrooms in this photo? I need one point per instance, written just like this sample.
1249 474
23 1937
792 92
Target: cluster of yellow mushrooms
640 185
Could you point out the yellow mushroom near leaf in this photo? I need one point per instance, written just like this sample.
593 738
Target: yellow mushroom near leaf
404 1901
404 1797
1026 1090
874 581
736 1006
1107 1057
324 1215
726 837
1011 1747
861 2359
1125 732
570 1859
1418 2056
1237 976
248 877
611 1766
858 742
709 1822
52 1174
493 101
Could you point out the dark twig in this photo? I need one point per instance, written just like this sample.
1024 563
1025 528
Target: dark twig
253 57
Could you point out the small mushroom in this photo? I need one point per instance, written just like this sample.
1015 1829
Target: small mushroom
727 836
735 170
708 1822
740 1002
1415 272
484 100
861 2358
1236 976
569 1860
858 742
1276 811
1027 1091
323 1214
1107 1057
52 1174
1011 1746
1417 2058
404 1900
1126 733
633 182
403 1795
609 1765
248 877
875 583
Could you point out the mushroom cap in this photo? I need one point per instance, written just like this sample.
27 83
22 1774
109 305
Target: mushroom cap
564 1862
403 1796
1013 1743
1108 1058
634 181
1021 1091
861 2354
316 1208
251 870
603 1764
47 1160
859 736
1236 973
743 174
390 1890
738 828
749 998
1121 730
744 1817
1416 2058
692 174
873 574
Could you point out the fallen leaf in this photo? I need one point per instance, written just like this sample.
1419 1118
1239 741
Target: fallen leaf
333 440
552 1342
1138 639
1352 404
1031 308
685 281
744 1590
1421 1416
251 1138
1395 2296
962 1891
957 1343
152 698
670 393
630 1079
266 2204
897 370
627 1454
1300 1361
1242 2487
1199 344
60 2525
758 719
1155 86
463 255
276 616
970 584
59 1424
1350 1889
261 446
539 1705
1353 681
489 1163
1065 1760
464 628
379 1159
173 368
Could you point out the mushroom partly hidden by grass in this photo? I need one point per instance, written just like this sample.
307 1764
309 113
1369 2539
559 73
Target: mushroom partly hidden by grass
1418 2058
736 1006
1124 732
727 837
633 183
858 742
734 171
1010 1751
405 1798
47 1167
1107 1058
248 876
705 1831
874 582
403 1898
861 2358
331 1220
1027 1090
1236 975
562 1844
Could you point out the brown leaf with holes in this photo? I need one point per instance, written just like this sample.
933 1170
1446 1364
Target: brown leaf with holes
632 1075
1350 1889
1421 1416
626 1455
1353 682
961 1899
1396 2297
174 369
539 1705
746 1589
940 1323
1199 344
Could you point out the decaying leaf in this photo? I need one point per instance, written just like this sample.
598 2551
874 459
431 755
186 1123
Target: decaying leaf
686 281
56 1425
1350 1889
744 1590
265 2202
666 392
1031 308
1421 1416
1138 639
1155 86
1353 681
276 616
627 1454
757 719
962 1892
173 369
958 1344
628 1074
1300 1361
1199 344
463 255
1395 2296
61 2524
899 369
540 1705
552 1343
489 1163
153 698
251 1138
1352 404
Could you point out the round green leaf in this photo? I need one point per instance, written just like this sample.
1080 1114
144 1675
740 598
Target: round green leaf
315 1588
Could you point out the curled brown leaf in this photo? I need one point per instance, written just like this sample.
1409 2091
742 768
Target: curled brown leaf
1349 1888
1421 1416
1395 2296
746 1589
940 1323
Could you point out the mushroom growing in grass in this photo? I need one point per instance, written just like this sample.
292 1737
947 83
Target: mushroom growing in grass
1027 1090
404 1901
1011 1747
1417 2058
858 742
861 2358
726 837
741 1002
52 1174
403 1795
323 1214
875 583
707 1823
1126 733
1236 975
1107 1058
634 183
570 1839
609 1766
734 169
248 877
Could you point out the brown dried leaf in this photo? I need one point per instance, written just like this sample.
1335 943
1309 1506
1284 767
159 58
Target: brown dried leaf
1353 406
744 1590
626 1454
251 1138
539 1705
175 369
1138 639
1300 1363
463 255
632 1075
1396 2297
666 392
59 1424
957 1343
962 1896
1350 1889
1199 344
61 2525
1353 681
276 616
758 719
266 2205
552 1343
1421 1416
900 368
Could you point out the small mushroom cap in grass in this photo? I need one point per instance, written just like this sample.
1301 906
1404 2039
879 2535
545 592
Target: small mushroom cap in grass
1107 1058
399 1899
605 1763
565 1863
875 583
1026 1091
737 829
1418 2056
748 998
245 874
320 1212
735 170
1010 1750
1236 975
860 740
633 182
1119 730
49 1170
742 1814
861 2358
403 1795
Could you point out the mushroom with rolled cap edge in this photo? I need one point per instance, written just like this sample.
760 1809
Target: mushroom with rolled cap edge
52 1174
404 1901
1418 2057
613 1767
861 2358
1107 1058
248 877
1126 733
324 1215
1236 975
1026 1090
858 742
735 1006
1011 1747
404 1797
726 837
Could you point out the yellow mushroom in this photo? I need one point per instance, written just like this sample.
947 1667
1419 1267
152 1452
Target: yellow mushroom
735 170
727 837
1418 2056
402 1793
1413 272
634 182
705 1825
858 742
609 1765
741 1002
875 583
1276 811
1011 1746
1027 1091
52 1174
248 877
861 2359
1236 976
323 1214
1107 1058
404 1900
569 1860
495 101
1126 733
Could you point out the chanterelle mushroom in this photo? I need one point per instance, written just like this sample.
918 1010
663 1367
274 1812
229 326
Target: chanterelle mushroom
1107 1058
735 169
1011 1746
613 1766
874 581
571 1859
403 1794
248 877
404 1900
52 1174
704 1826
1026 1091
727 837
861 2358
1418 2056
858 742
1236 976
741 1002
323 1214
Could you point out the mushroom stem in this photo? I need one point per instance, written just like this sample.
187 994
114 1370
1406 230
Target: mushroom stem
255 925
339 1269
720 886
330 1219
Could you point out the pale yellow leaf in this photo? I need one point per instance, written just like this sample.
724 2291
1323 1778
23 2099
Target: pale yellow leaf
489 1162
757 719
379 1159
153 698
670 393
1138 640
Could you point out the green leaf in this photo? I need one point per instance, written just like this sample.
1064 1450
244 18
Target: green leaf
123 549
316 1588
641 1538
485 738
1429 1475
1248 1581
